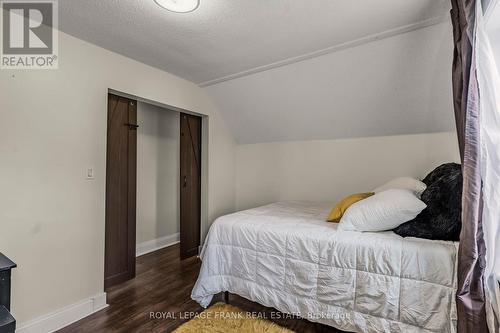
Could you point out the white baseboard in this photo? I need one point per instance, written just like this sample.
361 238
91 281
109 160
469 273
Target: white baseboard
65 316
156 244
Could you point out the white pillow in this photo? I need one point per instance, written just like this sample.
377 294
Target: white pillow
383 211
406 183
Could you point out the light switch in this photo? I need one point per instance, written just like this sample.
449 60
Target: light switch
90 173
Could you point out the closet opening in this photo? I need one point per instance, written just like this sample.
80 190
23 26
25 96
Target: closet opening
153 183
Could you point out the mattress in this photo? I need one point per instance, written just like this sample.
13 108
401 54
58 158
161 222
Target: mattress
285 256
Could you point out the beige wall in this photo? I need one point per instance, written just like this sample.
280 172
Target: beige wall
157 172
328 170
52 128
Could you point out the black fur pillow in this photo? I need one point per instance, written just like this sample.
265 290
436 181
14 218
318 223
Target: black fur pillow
443 197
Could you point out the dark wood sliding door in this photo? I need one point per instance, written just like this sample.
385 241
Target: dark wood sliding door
121 165
190 196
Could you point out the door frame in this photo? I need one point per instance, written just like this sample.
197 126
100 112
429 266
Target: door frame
204 153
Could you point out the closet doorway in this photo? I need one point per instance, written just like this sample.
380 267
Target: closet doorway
122 187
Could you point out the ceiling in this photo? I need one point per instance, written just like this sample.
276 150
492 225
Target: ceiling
397 85
224 37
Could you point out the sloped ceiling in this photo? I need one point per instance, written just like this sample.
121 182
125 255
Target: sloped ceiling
223 37
396 85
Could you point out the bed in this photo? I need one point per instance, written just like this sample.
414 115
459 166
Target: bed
284 255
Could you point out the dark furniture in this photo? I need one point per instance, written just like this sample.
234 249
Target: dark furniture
7 322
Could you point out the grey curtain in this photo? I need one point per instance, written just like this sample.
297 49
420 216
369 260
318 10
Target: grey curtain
471 254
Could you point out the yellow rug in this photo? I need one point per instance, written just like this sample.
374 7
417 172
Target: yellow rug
225 318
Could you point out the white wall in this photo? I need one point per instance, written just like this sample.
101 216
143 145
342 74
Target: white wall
396 85
157 172
52 127
328 170
347 121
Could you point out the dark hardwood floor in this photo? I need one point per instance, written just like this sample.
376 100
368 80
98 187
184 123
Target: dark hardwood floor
163 284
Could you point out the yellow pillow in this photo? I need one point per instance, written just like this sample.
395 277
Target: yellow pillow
342 206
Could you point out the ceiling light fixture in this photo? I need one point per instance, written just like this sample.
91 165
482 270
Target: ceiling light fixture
179 6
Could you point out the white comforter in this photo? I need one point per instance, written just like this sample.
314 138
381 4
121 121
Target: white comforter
285 256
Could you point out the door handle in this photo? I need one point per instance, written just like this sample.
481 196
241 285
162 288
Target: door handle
131 126
185 182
